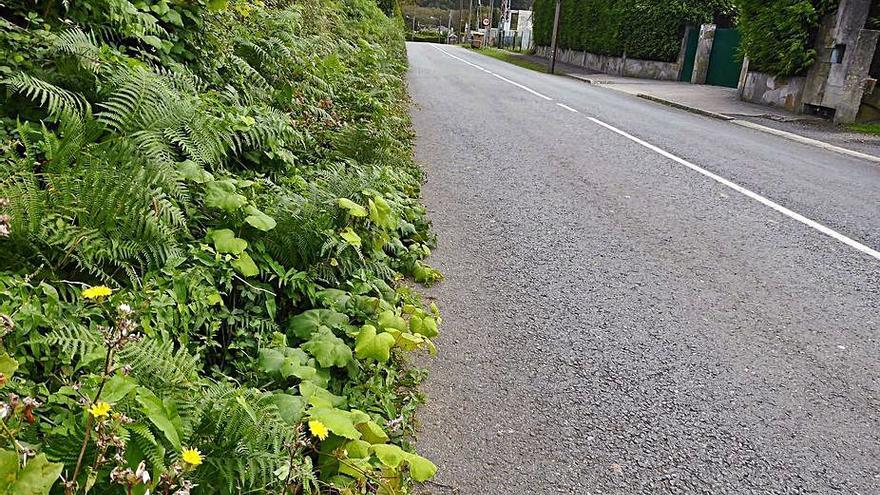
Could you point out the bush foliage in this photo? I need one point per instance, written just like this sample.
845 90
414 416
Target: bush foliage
643 29
778 35
209 215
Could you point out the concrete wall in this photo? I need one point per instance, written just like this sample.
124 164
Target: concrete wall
617 66
764 89
840 84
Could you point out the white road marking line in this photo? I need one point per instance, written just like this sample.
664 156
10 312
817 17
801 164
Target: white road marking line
736 187
563 105
518 85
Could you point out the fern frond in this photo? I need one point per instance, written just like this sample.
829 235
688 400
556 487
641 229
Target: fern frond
56 100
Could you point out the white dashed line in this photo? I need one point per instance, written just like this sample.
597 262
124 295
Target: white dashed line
757 197
518 85
563 105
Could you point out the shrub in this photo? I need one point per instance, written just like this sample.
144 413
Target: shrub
778 35
645 29
210 226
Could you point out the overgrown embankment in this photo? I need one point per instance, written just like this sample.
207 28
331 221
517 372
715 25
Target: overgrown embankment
208 216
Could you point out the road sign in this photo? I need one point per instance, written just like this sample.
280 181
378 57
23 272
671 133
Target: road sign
485 22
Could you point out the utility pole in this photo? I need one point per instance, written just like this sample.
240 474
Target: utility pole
468 26
460 8
488 27
555 41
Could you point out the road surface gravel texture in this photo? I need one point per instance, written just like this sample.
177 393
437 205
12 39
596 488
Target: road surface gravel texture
617 323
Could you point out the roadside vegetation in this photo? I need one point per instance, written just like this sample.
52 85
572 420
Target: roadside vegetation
779 36
650 30
866 128
211 232
509 57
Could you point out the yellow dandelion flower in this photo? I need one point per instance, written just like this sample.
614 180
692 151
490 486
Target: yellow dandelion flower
318 429
192 457
100 409
97 292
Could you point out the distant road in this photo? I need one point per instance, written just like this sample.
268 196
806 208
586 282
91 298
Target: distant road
640 300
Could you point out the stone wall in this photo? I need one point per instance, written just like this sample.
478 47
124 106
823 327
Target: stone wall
782 92
617 66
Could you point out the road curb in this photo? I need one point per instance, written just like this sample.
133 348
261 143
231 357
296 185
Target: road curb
805 140
684 107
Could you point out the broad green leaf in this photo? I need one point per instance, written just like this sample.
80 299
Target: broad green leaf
259 220
410 341
353 208
372 432
389 319
36 478
8 470
226 242
318 396
305 324
370 345
8 365
245 265
290 407
354 467
118 387
157 413
328 349
351 237
271 360
357 449
381 214
426 326
215 5
221 194
336 420
420 469
194 172
389 455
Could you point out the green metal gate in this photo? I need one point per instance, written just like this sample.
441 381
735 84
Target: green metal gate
690 53
724 65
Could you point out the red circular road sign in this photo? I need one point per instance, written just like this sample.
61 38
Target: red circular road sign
485 22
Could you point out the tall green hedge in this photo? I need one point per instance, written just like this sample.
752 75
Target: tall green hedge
645 29
778 35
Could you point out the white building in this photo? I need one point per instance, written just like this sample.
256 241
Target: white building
518 24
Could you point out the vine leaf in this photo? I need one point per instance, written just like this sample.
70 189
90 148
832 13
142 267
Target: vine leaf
259 220
336 420
245 265
306 323
370 345
221 194
226 242
353 208
328 349
389 455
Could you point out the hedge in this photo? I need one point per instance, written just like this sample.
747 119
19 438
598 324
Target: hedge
644 29
778 35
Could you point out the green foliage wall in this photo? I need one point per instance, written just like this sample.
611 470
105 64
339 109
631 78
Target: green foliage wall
644 29
210 242
778 35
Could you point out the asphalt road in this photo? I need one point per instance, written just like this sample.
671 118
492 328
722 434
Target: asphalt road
618 321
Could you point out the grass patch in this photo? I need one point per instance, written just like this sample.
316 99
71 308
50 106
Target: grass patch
511 58
868 128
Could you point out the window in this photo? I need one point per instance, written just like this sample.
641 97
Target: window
514 20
